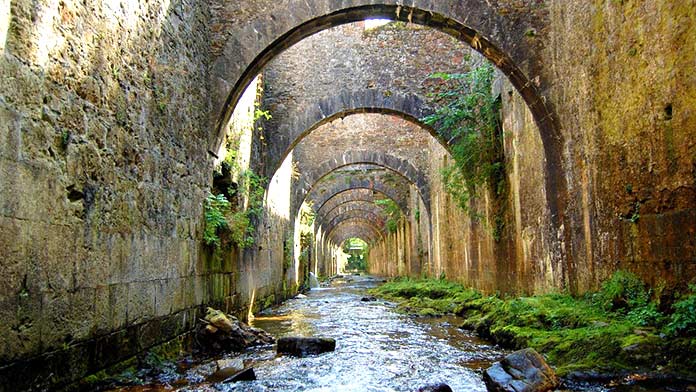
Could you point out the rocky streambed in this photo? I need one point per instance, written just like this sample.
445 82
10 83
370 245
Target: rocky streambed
376 349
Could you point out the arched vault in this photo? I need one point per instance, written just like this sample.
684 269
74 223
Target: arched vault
494 29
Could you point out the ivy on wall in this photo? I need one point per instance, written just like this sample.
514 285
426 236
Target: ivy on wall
469 117
393 213
237 224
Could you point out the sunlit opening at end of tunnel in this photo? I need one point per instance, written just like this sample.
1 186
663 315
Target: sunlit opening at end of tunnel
374 23
355 251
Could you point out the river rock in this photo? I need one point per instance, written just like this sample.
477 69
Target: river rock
368 299
218 319
301 346
245 375
226 368
522 371
435 388
221 332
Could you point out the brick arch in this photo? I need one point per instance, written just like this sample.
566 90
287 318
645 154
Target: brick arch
495 29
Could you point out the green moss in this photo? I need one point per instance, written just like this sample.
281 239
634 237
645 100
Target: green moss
615 329
269 301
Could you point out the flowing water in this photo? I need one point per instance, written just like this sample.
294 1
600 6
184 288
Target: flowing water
377 349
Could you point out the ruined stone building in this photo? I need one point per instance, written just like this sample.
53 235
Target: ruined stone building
117 118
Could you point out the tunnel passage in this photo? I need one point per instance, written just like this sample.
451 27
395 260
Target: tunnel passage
498 32
289 92
388 141
108 120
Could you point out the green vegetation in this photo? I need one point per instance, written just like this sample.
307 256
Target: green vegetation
470 117
617 328
356 249
237 225
216 206
683 320
393 213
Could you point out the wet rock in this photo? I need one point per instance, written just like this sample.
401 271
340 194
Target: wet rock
301 346
218 320
221 332
522 371
245 375
368 299
435 388
226 368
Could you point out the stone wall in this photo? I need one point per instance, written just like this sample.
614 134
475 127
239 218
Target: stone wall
103 170
625 92
613 117
108 110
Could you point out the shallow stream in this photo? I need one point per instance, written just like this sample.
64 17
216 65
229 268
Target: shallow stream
377 349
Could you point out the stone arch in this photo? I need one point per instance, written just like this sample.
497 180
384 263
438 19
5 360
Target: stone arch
350 196
342 234
496 30
282 140
380 187
378 234
375 217
348 206
399 166
378 158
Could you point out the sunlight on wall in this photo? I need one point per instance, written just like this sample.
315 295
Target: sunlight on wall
250 313
241 127
279 190
48 39
341 259
4 23
297 247
374 23
304 225
126 13
318 240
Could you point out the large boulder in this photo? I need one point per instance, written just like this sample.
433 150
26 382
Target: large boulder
522 371
301 346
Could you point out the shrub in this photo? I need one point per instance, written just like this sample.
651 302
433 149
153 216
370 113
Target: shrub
215 208
683 320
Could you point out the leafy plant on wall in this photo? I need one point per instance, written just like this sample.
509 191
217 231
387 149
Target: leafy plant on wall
393 213
469 117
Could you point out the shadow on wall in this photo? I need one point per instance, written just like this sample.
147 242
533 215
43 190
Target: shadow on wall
101 237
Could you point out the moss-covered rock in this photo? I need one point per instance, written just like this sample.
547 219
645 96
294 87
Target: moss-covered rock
591 333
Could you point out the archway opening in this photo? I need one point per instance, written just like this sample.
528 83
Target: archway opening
356 251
